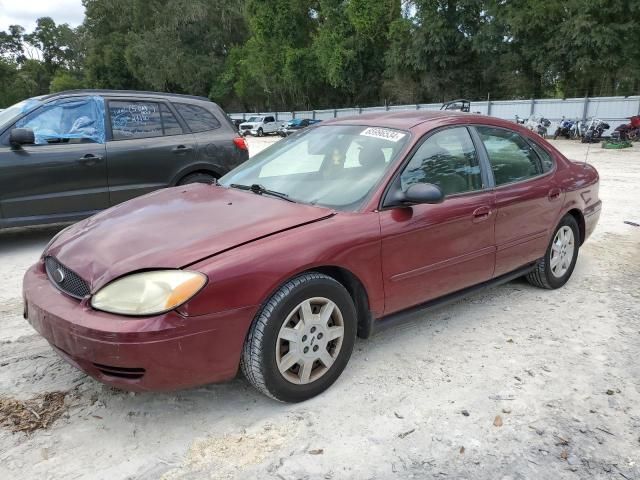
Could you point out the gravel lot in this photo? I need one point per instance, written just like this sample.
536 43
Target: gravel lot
559 368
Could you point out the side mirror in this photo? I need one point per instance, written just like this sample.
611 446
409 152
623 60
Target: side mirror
21 136
416 194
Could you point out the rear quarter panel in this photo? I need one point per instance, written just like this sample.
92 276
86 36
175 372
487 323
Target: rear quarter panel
580 182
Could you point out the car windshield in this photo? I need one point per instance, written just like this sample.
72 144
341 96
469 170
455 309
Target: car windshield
255 119
11 112
335 166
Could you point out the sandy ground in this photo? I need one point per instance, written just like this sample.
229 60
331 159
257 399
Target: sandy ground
543 361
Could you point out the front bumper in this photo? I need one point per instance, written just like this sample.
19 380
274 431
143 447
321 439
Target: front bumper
164 352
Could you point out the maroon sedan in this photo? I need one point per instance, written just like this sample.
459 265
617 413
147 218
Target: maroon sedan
330 234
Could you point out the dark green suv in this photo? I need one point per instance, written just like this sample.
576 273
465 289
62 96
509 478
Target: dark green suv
66 156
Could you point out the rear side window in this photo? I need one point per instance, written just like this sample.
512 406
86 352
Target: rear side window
199 119
512 158
169 121
130 120
545 157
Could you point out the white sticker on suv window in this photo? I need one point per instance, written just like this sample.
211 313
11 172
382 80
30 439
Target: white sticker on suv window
384 133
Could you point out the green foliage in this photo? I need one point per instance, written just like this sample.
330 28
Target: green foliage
63 80
303 54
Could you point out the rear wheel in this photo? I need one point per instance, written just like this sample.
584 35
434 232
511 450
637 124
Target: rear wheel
199 177
555 269
301 340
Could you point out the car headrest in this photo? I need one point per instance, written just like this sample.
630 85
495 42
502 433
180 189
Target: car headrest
372 157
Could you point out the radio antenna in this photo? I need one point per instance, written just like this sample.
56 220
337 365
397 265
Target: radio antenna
595 117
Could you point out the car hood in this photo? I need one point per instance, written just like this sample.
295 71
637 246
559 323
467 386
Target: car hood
248 124
173 228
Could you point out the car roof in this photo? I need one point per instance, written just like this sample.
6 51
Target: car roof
403 120
421 121
116 93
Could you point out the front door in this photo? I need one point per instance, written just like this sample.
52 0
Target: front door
63 176
431 250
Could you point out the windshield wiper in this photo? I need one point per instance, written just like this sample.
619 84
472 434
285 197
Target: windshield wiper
260 190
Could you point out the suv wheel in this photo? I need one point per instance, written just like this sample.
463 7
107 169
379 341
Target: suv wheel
260 132
558 263
301 339
199 177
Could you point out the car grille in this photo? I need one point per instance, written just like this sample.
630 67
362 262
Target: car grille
65 279
245 127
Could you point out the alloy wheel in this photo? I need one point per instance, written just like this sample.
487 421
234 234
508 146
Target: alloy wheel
562 251
309 340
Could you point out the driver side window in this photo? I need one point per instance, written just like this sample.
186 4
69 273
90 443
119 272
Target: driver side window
447 159
63 122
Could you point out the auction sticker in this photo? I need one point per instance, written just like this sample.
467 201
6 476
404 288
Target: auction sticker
384 133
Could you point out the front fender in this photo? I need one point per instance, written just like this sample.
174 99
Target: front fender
249 274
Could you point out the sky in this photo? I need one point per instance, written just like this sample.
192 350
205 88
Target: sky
26 12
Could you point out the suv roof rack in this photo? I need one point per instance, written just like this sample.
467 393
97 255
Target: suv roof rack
121 92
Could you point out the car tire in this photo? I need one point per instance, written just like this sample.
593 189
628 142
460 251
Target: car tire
199 177
555 269
282 353
260 132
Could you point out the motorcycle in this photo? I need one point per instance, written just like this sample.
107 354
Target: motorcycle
595 129
538 125
629 131
578 129
565 129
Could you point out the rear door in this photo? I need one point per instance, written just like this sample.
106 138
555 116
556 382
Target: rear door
528 200
63 175
147 147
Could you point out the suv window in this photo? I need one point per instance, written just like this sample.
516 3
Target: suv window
512 158
269 120
64 121
170 123
198 119
135 119
447 159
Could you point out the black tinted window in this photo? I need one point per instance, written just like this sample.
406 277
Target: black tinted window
135 120
512 158
269 119
199 119
447 159
169 121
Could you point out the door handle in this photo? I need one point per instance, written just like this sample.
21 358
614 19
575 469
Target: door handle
481 213
89 160
554 193
181 149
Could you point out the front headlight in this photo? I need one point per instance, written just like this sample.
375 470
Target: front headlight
149 293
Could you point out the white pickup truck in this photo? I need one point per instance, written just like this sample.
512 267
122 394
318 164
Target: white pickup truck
259 125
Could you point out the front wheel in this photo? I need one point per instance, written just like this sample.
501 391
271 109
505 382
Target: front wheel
555 269
301 339
260 132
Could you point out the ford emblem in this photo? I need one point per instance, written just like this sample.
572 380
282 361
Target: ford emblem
59 275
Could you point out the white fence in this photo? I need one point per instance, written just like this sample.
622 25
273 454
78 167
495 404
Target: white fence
613 110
